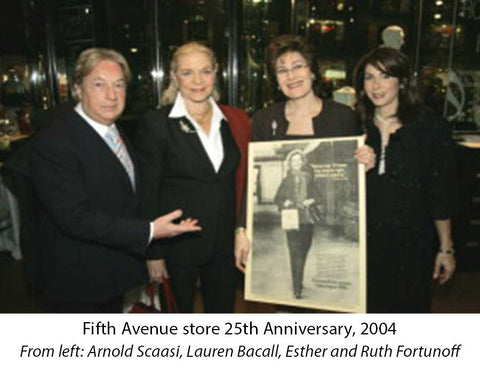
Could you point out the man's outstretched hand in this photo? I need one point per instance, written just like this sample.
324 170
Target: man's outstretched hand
164 227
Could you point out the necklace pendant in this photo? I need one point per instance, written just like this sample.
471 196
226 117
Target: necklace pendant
274 127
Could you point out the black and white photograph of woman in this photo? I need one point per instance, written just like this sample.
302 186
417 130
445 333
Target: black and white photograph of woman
306 219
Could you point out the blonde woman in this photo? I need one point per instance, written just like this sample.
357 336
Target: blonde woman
192 154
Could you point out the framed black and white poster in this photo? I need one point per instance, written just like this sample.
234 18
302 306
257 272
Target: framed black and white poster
306 221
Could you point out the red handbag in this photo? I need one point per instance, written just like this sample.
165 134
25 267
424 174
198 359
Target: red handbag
167 301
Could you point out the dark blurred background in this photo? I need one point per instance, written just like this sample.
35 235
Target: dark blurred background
41 39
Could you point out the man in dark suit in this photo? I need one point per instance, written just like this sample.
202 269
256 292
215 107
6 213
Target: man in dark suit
85 175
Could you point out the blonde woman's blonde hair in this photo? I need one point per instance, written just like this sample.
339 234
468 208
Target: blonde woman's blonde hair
90 58
169 95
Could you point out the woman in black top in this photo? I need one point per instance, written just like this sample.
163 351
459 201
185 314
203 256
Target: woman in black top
304 114
410 192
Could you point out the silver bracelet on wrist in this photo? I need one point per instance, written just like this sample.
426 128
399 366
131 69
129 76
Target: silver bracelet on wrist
447 251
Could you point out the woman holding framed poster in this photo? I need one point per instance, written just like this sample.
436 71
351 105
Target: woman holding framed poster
302 115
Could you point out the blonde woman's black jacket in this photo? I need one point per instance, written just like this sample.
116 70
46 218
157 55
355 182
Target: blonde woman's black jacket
177 173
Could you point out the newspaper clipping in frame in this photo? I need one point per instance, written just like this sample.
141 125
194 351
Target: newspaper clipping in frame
306 220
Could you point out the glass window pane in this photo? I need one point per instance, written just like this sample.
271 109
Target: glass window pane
449 59
132 33
181 21
262 21
72 23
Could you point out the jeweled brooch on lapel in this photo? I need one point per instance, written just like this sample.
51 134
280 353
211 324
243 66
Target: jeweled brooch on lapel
185 128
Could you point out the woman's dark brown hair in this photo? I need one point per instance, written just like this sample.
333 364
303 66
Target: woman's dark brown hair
291 43
395 64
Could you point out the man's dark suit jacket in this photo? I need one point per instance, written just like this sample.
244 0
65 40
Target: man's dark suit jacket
93 240
177 173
